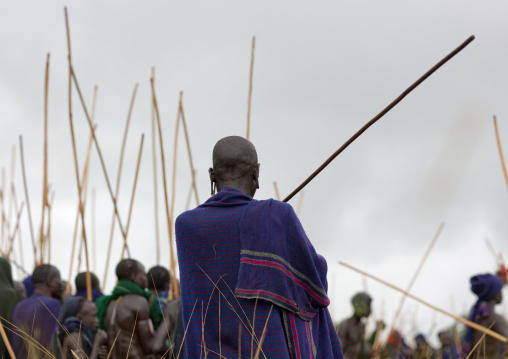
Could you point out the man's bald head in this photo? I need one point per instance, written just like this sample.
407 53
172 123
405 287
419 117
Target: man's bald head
235 164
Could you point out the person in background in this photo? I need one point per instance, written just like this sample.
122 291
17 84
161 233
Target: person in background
423 350
78 319
487 287
158 284
448 349
8 300
36 315
80 282
351 331
20 290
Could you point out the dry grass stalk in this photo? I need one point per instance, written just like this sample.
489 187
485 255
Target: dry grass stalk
500 151
193 172
133 330
6 341
263 335
176 290
113 345
125 248
459 319
22 157
250 86
187 328
117 186
415 276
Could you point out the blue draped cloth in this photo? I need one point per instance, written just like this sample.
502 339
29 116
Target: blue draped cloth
257 256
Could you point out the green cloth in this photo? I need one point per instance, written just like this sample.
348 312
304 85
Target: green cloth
125 287
8 300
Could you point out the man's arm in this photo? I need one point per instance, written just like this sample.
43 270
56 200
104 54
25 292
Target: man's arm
72 342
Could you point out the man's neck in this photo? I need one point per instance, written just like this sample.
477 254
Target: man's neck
42 291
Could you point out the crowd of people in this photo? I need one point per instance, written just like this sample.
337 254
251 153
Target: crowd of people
139 319
251 286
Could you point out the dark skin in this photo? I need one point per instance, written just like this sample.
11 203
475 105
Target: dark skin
88 315
496 323
351 333
132 311
235 165
52 287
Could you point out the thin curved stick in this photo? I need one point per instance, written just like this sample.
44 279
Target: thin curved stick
500 151
378 116
193 172
27 199
45 167
155 186
250 86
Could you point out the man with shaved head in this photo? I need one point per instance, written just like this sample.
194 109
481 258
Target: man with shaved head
251 280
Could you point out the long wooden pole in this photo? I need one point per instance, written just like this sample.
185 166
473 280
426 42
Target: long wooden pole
155 186
193 172
133 195
250 86
117 186
415 276
462 320
378 116
175 156
22 157
276 188
500 151
6 341
81 209
84 180
16 228
20 241
45 168
164 182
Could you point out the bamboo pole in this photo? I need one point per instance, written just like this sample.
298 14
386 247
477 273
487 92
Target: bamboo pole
189 195
500 151
462 320
276 188
94 249
48 230
300 204
133 194
81 209
415 276
11 237
250 86
22 158
175 153
117 186
193 172
84 180
6 341
11 184
45 167
155 186
168 215
378 116
20 241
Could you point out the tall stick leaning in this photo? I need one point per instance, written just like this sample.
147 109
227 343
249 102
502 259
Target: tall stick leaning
462 320
165 185
193 171
117 187
378 116
250 86
155 186
500 151
81 209
45 166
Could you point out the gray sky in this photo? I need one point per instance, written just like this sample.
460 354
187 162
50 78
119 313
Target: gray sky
322 70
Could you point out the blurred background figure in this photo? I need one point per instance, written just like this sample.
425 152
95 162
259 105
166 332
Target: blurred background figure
351 331
8 300
448 349
80 282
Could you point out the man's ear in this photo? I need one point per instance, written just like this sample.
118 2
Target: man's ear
213 180
255 176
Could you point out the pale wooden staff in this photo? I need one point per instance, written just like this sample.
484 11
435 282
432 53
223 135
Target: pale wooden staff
300 204
22 158
133 195
13 163
11 238
250 86
500 151
189 194
84 180
94 249
193 172
48 230
175 153
415 276
81 209
378 116
20 241
276 188
117 187
462 320
155 186
45 166
164 182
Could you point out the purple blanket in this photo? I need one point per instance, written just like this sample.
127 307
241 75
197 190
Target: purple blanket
246 265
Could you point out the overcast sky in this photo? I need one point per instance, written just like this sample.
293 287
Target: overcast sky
322 70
